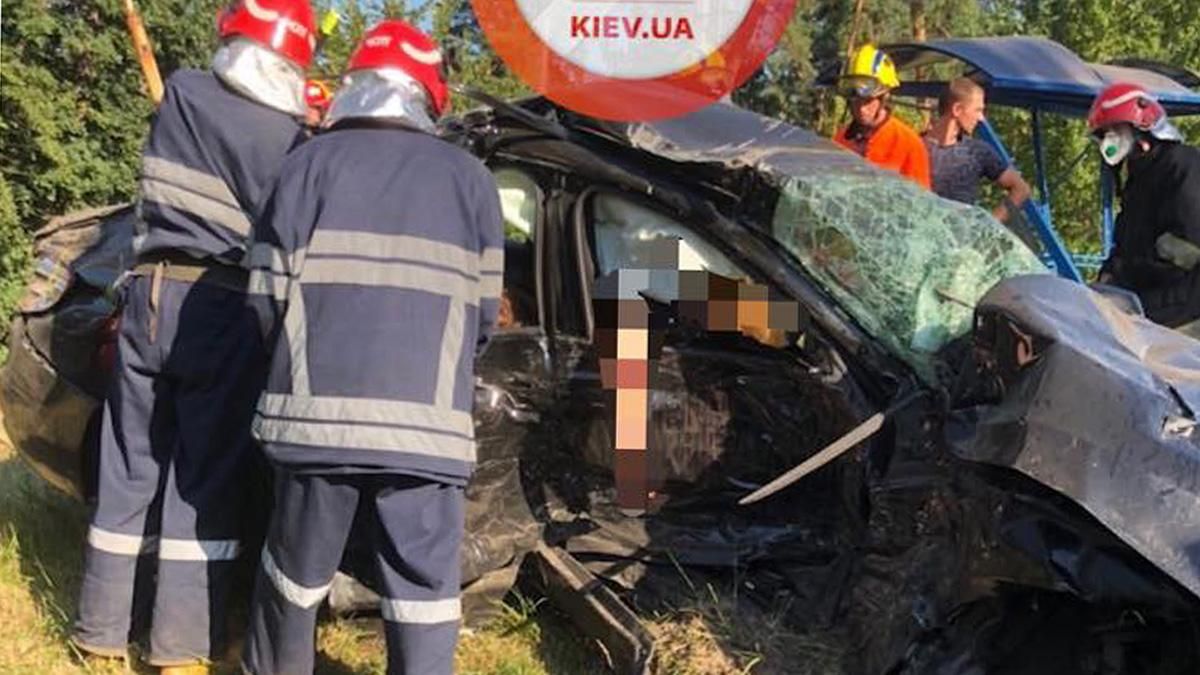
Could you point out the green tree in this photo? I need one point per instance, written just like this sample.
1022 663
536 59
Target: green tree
782 87
1099 31
74 109
469 58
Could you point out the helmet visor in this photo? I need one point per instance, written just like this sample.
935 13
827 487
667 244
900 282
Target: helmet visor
261 75
859 86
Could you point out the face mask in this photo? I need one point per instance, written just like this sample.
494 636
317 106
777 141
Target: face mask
1115 145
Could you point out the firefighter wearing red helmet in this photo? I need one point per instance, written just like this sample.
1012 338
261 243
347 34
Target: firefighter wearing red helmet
376 275
316 98
1158 230
175 448
395 73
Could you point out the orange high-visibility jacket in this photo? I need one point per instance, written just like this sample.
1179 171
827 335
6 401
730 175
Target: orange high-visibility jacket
896 146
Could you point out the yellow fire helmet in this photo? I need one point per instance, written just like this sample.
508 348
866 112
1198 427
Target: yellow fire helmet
871 74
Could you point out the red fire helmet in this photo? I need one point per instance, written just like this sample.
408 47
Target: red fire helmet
286 27
397 44
317 94
1130 104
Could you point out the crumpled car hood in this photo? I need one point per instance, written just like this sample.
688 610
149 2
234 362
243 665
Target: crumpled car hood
1098 404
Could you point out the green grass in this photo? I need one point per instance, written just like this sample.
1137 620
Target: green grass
711 630
705 630
41 538
40 554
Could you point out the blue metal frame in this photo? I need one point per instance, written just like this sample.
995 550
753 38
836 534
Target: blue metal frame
1108 222
1037 210
1039 158
1050 79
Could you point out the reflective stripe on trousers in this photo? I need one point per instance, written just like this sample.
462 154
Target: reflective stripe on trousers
187 550
421 529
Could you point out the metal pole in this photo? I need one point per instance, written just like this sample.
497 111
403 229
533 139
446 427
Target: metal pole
144 52
1107 222
1039 156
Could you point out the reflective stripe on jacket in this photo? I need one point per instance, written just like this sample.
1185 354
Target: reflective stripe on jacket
377 271
208 163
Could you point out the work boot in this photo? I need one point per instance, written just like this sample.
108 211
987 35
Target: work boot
93 662
98 657
190 669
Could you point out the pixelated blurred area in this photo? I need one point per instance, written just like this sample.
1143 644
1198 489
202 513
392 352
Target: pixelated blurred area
634 308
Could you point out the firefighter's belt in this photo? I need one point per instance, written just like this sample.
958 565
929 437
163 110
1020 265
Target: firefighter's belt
193 270
188 269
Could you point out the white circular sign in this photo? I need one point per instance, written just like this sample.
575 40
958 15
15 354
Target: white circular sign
634 39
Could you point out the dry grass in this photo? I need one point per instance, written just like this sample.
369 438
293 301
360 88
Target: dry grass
41 536
709 638
41 533
712 631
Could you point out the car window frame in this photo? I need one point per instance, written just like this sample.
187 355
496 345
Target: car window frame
539 238
582 231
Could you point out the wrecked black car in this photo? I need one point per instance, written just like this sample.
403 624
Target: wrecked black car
1030 503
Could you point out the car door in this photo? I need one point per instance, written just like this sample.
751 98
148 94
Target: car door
726 410
513 373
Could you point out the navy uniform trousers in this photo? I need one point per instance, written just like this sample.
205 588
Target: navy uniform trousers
416 526
175 466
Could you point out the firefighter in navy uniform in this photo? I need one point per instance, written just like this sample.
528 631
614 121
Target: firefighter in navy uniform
176 438
377 272
1157 252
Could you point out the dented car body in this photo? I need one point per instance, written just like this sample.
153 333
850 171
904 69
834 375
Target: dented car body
1041 478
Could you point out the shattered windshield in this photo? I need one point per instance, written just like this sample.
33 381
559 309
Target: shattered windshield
906 264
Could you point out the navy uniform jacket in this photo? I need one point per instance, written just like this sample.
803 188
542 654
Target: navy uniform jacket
1162 195
377 270
211 157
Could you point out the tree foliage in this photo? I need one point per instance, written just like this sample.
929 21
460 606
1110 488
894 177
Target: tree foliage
74 108
1098 30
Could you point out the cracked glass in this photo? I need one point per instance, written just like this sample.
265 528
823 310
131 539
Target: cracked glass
907 265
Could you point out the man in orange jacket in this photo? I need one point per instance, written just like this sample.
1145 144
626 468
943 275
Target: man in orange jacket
875 133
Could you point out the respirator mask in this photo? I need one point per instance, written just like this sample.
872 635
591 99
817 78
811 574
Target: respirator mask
1116 144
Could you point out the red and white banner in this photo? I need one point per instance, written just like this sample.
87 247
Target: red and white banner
634 60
